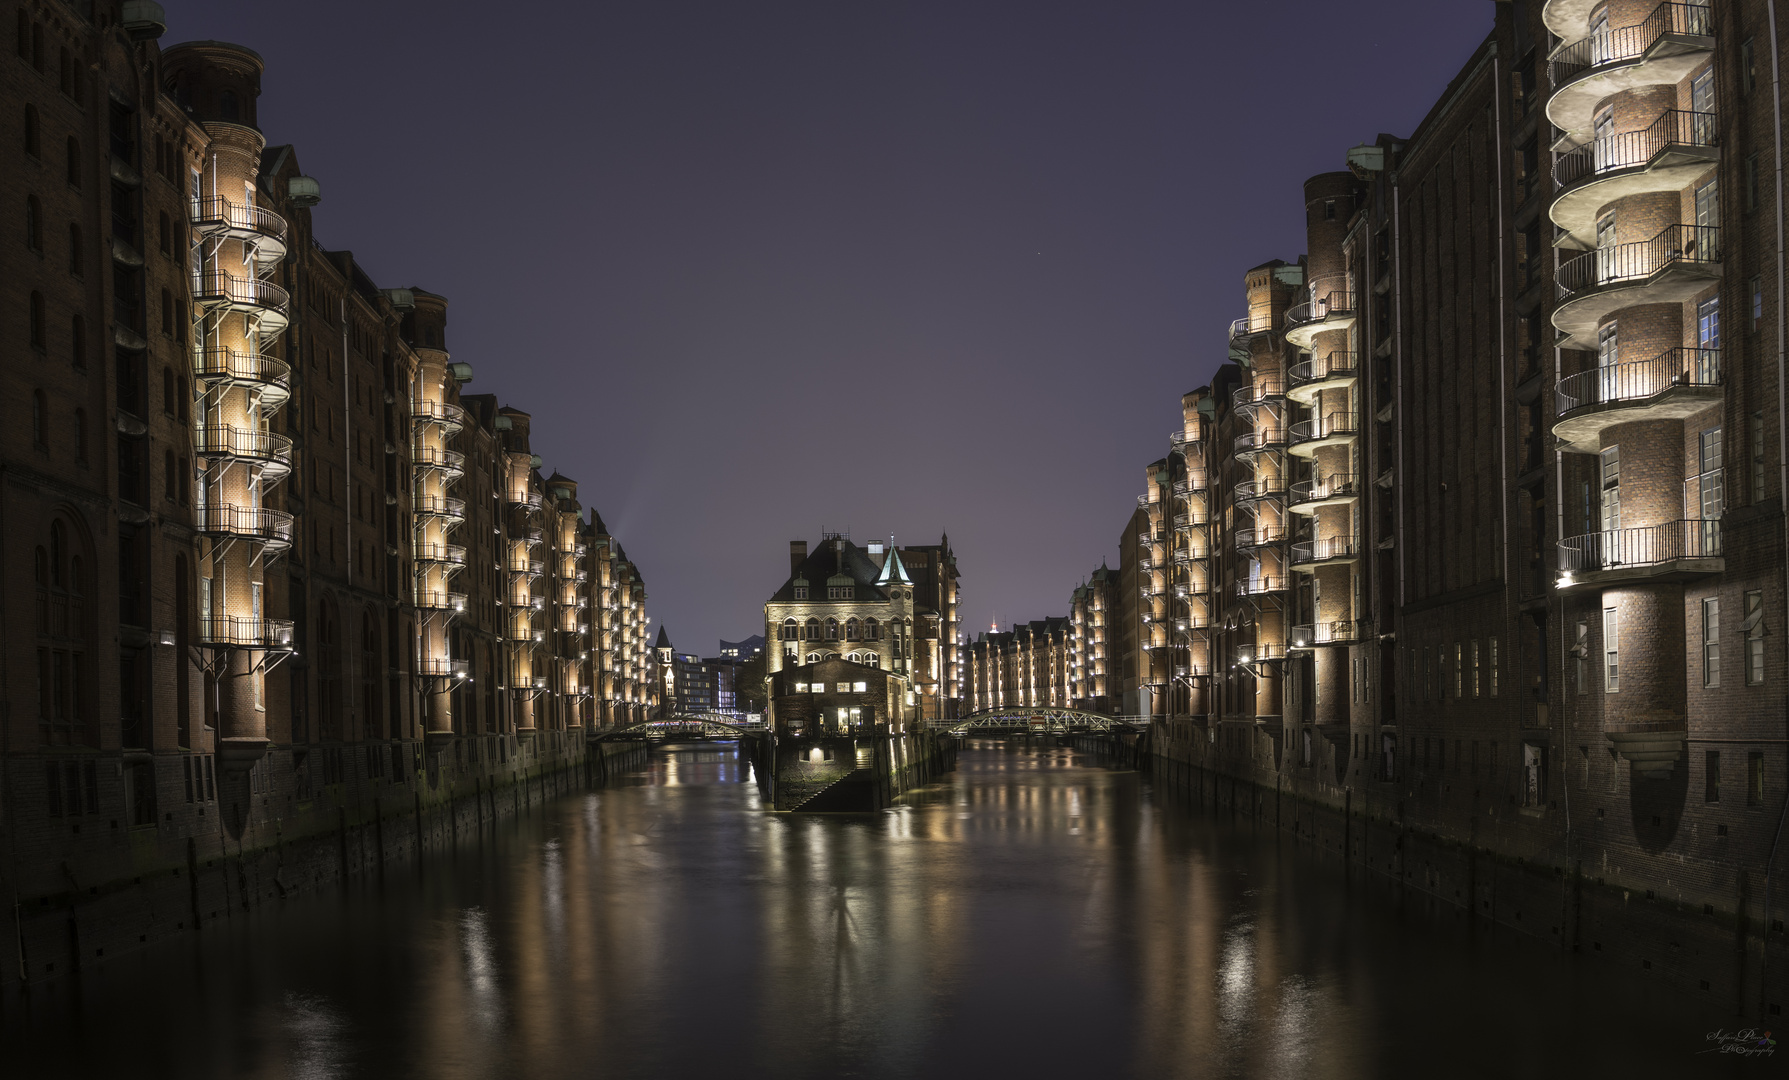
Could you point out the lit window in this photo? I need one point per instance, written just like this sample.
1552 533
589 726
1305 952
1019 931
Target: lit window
801 688
860 688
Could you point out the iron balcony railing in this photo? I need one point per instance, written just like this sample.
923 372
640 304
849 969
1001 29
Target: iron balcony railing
444 413
215 211
1614 549
1273 487
1333 486
1250 324
433 457
1321 306
1627 43
1334 365
215 286
1256 392
1639 380
1260 586
1186 519
1259 536
1260 439
1335 547
1334 632
225 440
441 553
217 363
440 600
1620 263
251 521
1630 149
439 506
245 632
1324 427
530 499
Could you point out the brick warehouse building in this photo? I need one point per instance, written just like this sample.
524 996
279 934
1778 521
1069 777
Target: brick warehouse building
1469 562
271 575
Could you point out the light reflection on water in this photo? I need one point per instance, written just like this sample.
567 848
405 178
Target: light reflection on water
1032 914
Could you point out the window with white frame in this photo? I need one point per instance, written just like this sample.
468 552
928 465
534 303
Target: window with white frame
1754 630
1611 650
1711 641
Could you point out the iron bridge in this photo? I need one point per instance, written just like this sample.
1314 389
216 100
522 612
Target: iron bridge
688 726
1042 721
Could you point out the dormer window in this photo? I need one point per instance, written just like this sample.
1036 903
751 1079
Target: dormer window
841 592
801 589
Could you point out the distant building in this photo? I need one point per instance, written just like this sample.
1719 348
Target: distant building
742 650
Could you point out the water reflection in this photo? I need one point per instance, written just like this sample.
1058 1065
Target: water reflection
1034 915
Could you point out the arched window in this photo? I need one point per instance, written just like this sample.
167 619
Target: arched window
65 71
872 630
873 659
77 260
832 629
74 162
226 105
77 334
167 313
33 223
181 397
853 631
37 328
789 631
853 657
813 658
170 479
24 40
180 321
58 555
39 435
164 232
33 138
168 390
811 630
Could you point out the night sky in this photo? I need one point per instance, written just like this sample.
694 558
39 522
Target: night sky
762 269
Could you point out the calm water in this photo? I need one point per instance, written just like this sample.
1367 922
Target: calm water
1034 914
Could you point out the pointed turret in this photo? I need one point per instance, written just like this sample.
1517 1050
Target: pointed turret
893 573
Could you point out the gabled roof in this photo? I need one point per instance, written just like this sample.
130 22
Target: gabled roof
827 562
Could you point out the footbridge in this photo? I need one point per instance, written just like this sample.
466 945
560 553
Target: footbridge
690 727
1039 721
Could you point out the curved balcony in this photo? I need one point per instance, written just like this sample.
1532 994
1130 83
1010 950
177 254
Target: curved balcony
1309 436
1323 312
1260 489
270 451
269 376
450 417
450 462
1309 555
254 297
1335 632
1255 395
1672 267
439 506
528 567
1264 585
270 527
1195 484
442 667
263 230
1673 550
1661 50
529 499
1259 537
521 628
1187 558
1250 327
1266 440
1308 378
1670 386
452 555
244 632
1336 489
1186 519
440 600
1666 156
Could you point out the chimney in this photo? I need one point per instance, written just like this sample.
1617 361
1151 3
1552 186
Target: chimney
798 554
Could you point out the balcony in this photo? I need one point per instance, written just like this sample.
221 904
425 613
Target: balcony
1670 386
1260 489
1309 555
1308 378
1672 551
439 506
450 462
1259 537
442 667
262 230
253 371
1672 267
1326 310
1249 327
1309 436
1264 585
1190 519
1667 156
244 632
270 527
528 499
450 417
260 300
440 600
270 451
1337 632
1264 440
453 555
1336 489
1661 50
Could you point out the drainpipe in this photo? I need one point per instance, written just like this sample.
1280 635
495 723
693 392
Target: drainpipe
1776 99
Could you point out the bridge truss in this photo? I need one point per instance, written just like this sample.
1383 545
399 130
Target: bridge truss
1042 721
688 726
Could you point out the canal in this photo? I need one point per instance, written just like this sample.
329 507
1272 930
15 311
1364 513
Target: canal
1032 914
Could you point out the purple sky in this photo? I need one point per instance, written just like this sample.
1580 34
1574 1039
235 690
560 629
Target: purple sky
759 269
